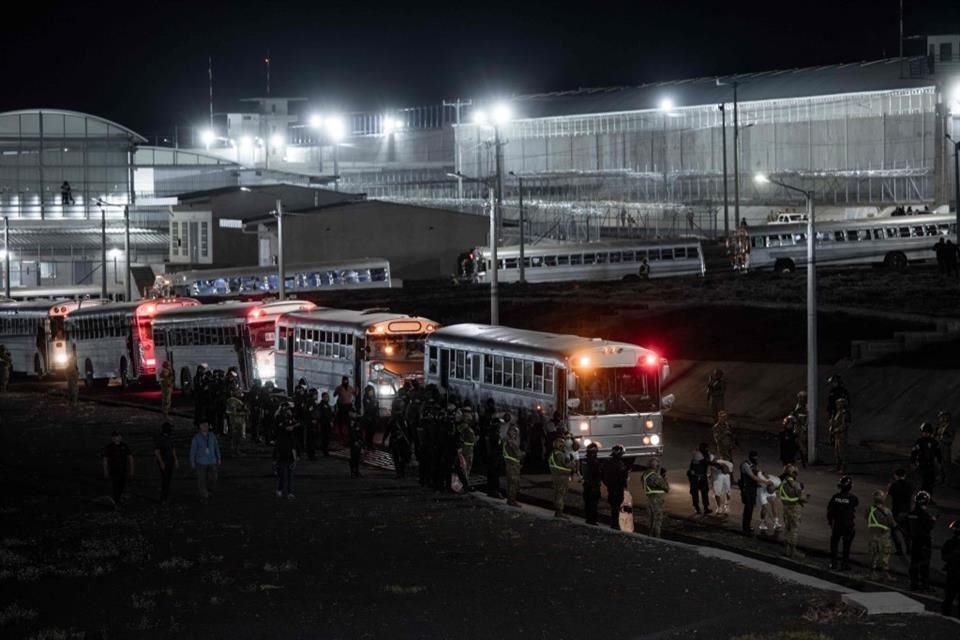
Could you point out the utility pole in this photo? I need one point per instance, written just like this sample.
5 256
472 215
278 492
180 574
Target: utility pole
459 155
126 252
498 156
901 28
522 230
726 203
494 299
267 62
6 256
210 82
956 181
281 271
103 251
736 160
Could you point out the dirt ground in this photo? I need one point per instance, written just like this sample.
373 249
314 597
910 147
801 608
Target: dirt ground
373 557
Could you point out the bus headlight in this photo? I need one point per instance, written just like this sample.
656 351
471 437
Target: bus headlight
648 424
60 358
587 442
646 439
654 439
584 426
385 390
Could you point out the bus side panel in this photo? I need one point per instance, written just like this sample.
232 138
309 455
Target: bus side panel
211 356
104 355
324 374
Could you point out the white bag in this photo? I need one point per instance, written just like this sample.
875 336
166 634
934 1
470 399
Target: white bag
626 513
455 484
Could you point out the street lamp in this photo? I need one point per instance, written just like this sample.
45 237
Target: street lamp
522 224
499 114
6 256
208 137
336 130
956 177
812 374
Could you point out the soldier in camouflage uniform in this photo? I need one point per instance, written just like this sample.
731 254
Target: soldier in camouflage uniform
791 495
802 416
839 426
944 435
166 388
468 435
236 412
880 524
654 487
560 470
723 436
512 460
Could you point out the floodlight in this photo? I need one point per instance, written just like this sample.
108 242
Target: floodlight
276 141
336 128
761 178
316 121
208 137
501 113
666 105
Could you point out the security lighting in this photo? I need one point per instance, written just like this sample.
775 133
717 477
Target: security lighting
316 121
208 137
666 105
761 178
276 141
336 128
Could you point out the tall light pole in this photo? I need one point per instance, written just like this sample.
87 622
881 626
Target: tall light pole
459 154
6 256
736 160
522 227
812 374
103 248
499 115
726 203
956 180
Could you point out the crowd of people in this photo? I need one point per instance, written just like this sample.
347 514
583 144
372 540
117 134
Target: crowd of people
449 438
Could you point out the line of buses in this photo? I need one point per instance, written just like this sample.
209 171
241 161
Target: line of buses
609 392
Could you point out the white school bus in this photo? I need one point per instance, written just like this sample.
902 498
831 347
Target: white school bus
608 392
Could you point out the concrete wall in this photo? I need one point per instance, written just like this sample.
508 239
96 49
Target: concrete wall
419 242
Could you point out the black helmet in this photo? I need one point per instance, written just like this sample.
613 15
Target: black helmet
923 498
617 451
592 449
954 526
846 482
926 427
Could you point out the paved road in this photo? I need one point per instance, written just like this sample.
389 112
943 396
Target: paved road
682 437
366 558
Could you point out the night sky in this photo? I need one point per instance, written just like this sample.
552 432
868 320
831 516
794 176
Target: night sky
145 64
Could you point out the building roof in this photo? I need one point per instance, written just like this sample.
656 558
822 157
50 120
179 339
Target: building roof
62 124
256 200
55 236
855 77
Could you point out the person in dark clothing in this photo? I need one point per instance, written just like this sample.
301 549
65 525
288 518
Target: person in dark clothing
927 459
166 456
218 401
201 399
837 391
591 472
900 491
252 399
841 516
698 475
950 553
117 465
940 249
749 482
921 524
371 415
399 445
951 257
323 418
614 476
789 442
66 194
494 457
285 456
356 444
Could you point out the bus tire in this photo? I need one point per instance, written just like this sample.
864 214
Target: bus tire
185 386
784 265
895 260
88 373
124 374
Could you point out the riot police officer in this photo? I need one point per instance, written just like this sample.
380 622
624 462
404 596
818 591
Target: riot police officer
614 477
921 523
927 458
841 516
591 472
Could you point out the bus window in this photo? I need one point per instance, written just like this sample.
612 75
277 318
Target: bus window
487 369
576 259
666 254
498 370
878 234
602 258
852 235
536 261
654 254
458 370
526 261
614 257
589 258
508 372
563 260
628 256
538 377
931 229
550 261
475 364
432 361
904 232
512 263
916 232
943 229
519 366
548 376
838 236
693 252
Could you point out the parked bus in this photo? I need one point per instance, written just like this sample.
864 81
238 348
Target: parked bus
33 333
116 340
371 347
559 262
72 292
893 242
252 281
609 393
220 336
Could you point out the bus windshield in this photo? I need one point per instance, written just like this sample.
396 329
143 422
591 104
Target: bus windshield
396 347
604 391
262 334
